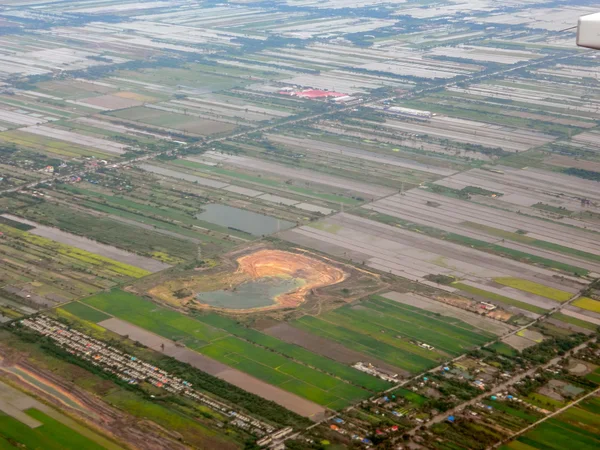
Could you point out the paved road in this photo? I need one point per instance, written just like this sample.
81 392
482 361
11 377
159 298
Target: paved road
501 387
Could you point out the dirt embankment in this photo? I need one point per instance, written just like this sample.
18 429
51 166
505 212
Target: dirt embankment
274 263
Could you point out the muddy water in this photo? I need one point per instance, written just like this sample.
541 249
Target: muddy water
252 294
240 219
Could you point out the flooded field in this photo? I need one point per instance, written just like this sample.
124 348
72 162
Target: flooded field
252 294
240 219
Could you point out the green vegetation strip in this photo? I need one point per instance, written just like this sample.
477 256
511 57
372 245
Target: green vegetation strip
574 321
499 298
164 322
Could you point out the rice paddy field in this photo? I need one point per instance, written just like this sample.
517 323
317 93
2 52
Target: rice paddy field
286 366
391 332
577 427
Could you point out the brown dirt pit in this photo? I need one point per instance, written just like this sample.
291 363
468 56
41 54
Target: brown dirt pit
259 265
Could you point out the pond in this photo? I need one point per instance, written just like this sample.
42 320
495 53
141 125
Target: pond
240 219
251 294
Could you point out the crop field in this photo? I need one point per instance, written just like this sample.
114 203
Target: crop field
184 121
85 312
390 331
51 434
286 366
40 272
395 244
577 428
588 304
535 288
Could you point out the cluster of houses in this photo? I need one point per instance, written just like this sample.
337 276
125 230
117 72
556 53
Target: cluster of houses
133 370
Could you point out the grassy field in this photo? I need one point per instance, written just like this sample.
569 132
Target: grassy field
85 312
499 298
296 353
389 331
296 371
587 303
162 321
503 349
52 435
534 288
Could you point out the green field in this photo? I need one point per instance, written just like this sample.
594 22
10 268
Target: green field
388 330
169 324
266 358
85 312
503 349
296 353
534 288
574 321
52 435
576 428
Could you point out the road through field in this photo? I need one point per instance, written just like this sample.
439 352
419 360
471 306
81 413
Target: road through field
242 380
406 96
543 419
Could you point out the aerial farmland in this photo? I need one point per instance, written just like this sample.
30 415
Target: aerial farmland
343 224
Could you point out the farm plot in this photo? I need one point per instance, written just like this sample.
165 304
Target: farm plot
408 146
473 133
176 119
573 250
394 332
190 79
53 147
349 151
295 352
87 245
475 320
533 192
577 427
35 429
135 237
415 251
563 98
307 176
289 367
79 139
39 273
270 189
